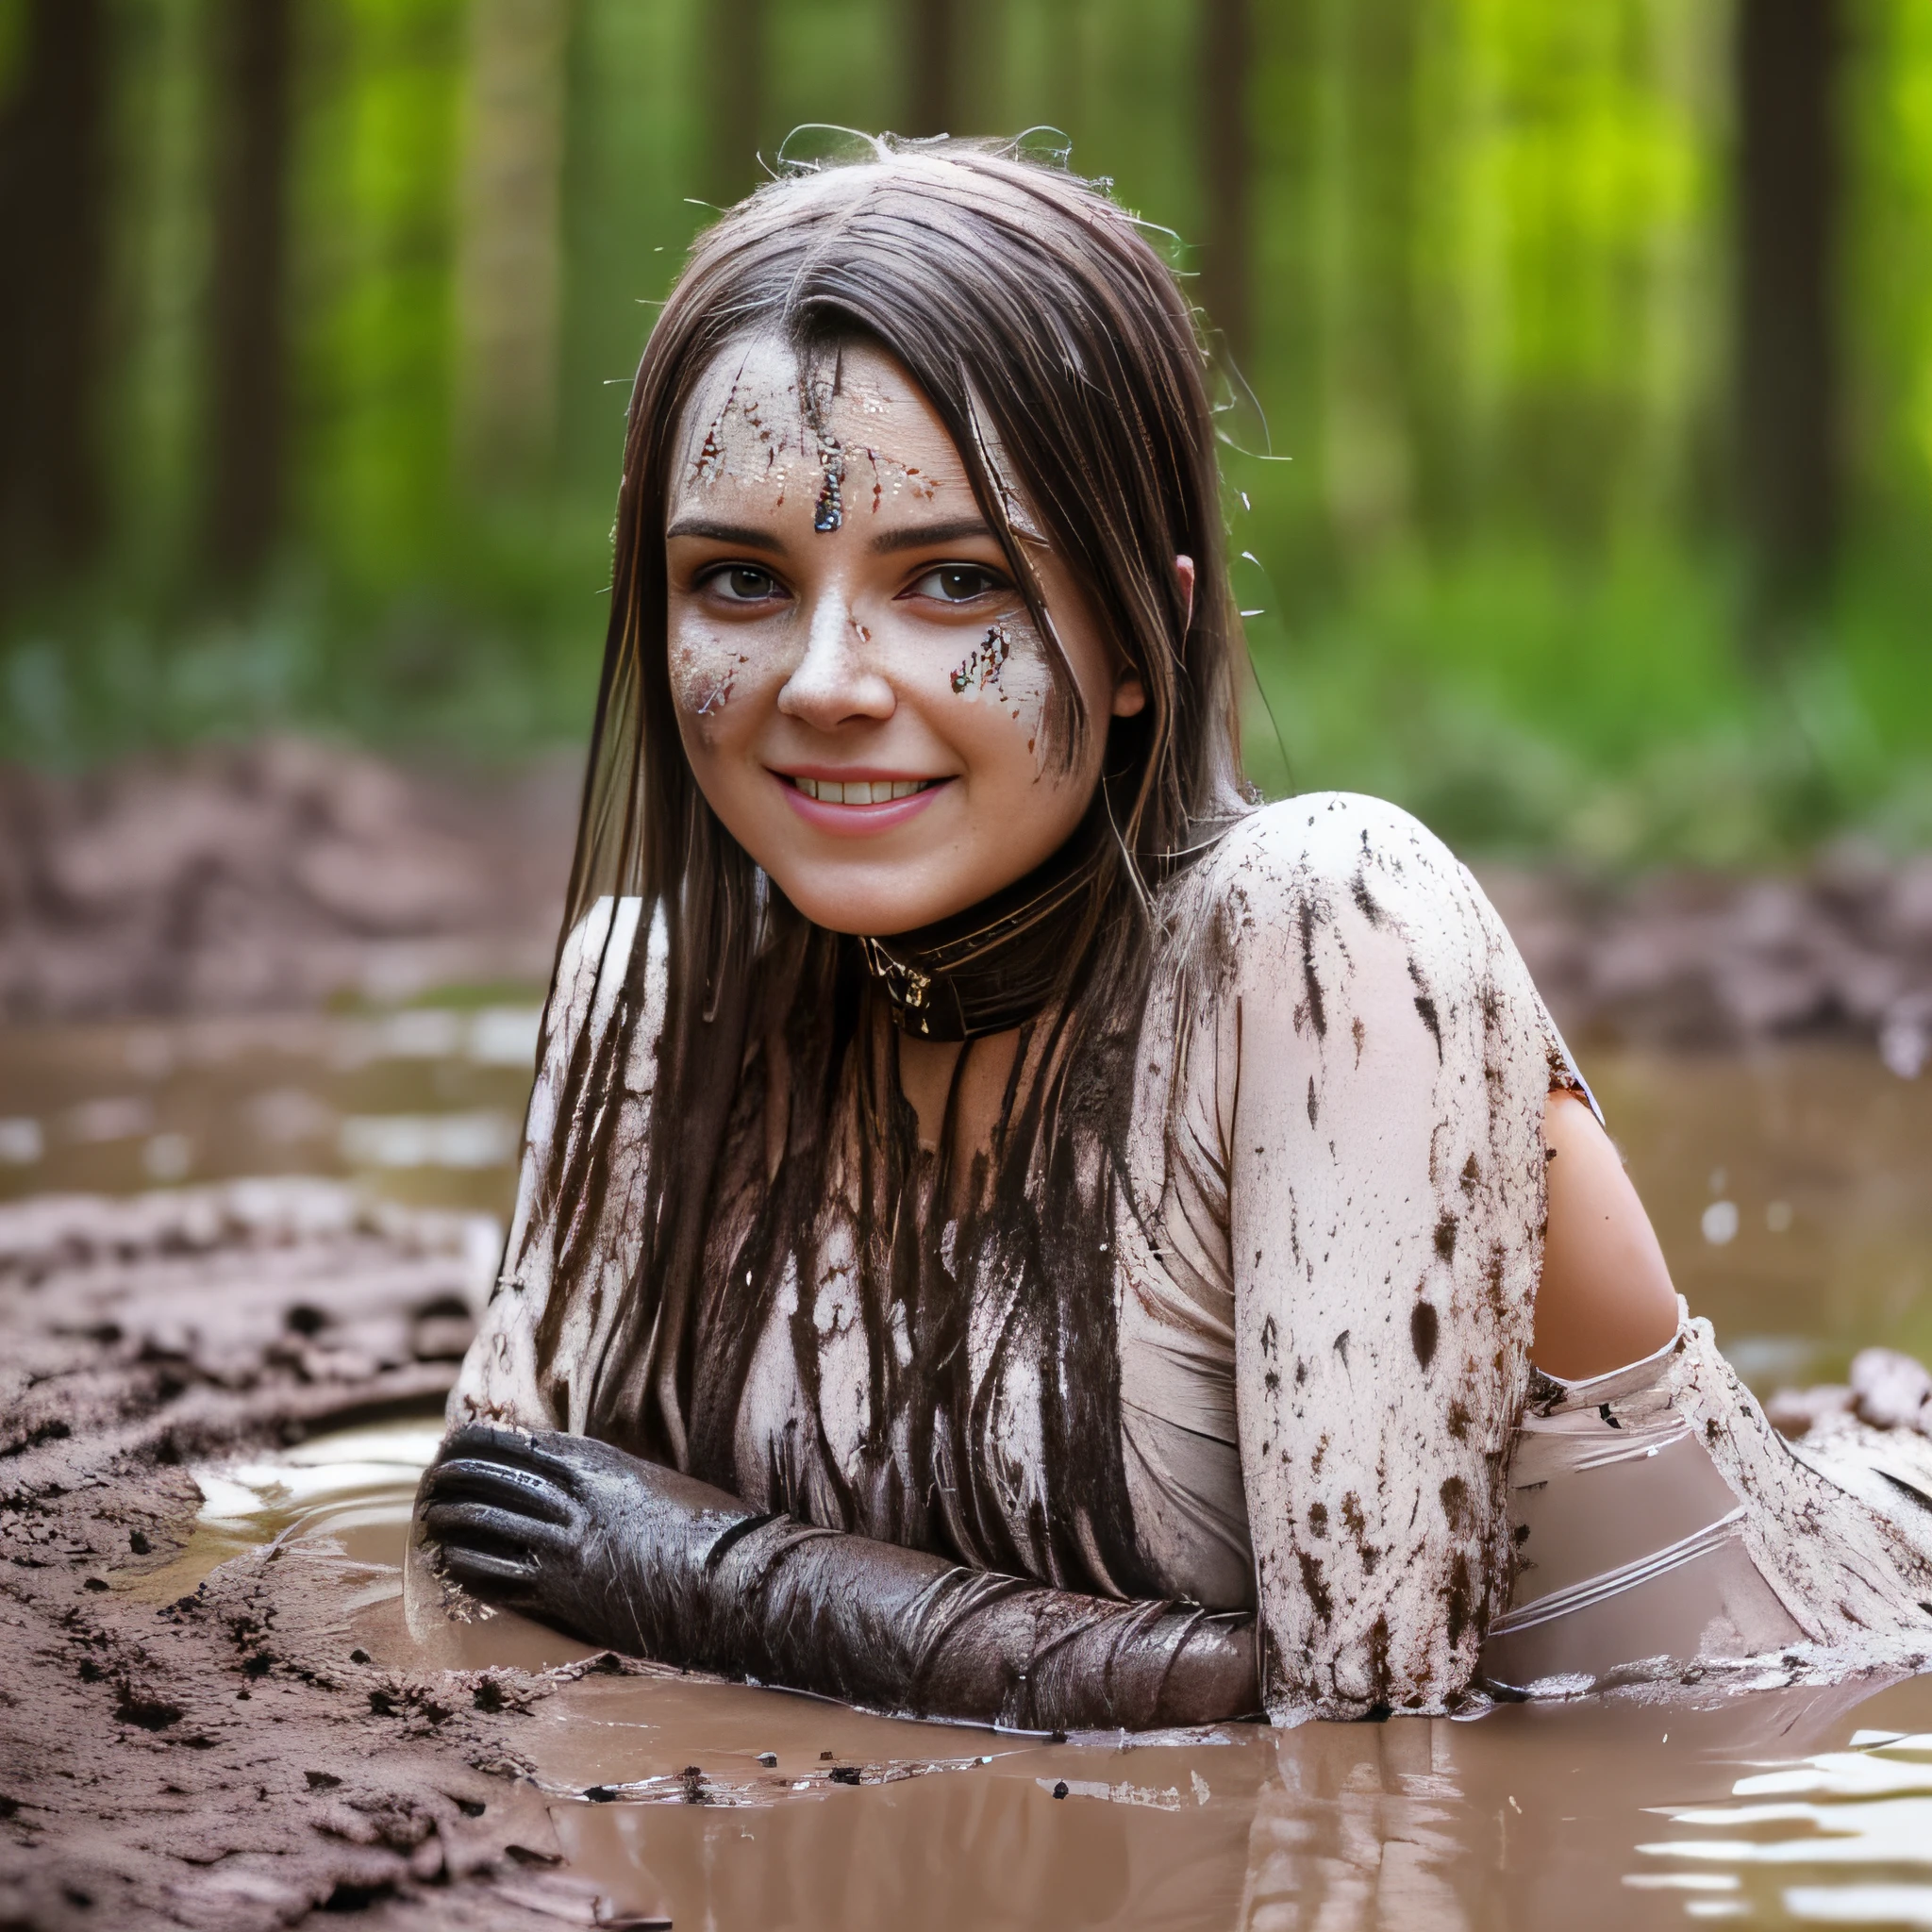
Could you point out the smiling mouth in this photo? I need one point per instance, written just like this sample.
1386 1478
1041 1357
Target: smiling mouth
863 791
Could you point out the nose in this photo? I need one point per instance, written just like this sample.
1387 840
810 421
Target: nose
837 681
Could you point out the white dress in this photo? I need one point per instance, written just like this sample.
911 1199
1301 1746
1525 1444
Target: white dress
1327 1237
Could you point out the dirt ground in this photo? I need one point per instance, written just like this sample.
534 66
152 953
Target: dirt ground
274 876
225 1758
287 872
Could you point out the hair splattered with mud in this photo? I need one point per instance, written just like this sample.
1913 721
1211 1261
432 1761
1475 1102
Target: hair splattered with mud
1062 357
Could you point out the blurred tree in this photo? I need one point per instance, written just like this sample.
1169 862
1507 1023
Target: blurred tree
54 208
735 55
1787 198
934 56
509 248
248 330
1369 270
379 189
1227 160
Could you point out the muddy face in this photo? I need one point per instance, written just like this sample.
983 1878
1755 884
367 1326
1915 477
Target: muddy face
861 688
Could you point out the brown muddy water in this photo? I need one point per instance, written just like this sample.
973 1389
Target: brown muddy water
1794 1193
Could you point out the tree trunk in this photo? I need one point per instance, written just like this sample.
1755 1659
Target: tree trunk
1227 43
933 53
736 63
1786 383
509 258
1370 444
53 241
248 378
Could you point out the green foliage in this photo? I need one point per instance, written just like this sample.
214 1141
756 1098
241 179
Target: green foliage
1490 283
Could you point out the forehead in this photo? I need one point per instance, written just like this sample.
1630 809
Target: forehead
761 426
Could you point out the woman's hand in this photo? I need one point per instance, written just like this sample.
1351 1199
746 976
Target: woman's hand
579 1535
631 1555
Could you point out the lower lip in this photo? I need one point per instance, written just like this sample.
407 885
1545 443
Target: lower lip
858 820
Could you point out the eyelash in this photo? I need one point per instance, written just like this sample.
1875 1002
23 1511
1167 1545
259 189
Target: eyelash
714 578
991 582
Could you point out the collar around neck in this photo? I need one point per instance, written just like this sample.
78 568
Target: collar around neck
997 964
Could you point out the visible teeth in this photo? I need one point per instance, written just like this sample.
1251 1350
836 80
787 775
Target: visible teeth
859 791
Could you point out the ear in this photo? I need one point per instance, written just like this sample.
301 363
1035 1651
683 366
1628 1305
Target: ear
1184 573
1129 694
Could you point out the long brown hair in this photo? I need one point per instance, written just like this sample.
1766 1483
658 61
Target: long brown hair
1063 358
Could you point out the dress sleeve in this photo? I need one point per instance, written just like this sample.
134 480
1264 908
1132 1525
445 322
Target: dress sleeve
505 1377
1381 1063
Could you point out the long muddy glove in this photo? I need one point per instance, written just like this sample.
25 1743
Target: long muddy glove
633 1556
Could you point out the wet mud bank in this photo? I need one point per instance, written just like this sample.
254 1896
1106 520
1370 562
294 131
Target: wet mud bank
227 1754
1840 949
277 876
274 876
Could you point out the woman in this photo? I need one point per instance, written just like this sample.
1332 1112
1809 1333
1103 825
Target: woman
1010 1229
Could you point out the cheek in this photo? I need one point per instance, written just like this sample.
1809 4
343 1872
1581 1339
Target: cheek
722 680
704 672
1006 670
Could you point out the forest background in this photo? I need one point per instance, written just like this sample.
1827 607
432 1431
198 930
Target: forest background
1578 362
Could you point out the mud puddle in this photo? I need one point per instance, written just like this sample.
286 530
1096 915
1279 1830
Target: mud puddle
699 1804
1791 1186
1794 1193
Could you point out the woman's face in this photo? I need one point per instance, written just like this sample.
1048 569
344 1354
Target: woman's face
861 689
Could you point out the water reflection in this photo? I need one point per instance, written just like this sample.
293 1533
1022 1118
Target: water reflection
726 1806
731 1807
1851 1827
425 1103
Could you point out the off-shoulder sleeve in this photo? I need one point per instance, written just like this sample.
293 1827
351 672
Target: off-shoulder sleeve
504 1377
1380 1065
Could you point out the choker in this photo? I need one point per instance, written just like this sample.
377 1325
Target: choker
997 964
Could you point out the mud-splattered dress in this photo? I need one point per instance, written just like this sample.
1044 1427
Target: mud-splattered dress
1302 1383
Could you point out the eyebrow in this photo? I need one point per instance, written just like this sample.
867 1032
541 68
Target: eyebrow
741 533
918 537
744 535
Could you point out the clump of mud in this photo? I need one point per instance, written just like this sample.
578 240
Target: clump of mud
272 876
226 1757
1701 960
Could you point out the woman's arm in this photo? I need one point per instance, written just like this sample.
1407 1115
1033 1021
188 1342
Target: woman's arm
508 1374
1381 1065
1606 1298
632 1554
636 1556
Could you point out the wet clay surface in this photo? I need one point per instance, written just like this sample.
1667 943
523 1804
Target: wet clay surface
274 876
217 1754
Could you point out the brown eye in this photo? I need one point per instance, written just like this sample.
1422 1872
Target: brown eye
743 583
958 583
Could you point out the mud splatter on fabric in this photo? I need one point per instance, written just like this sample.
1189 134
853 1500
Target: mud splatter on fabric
1251 1325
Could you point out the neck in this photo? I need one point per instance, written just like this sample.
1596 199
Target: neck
999 963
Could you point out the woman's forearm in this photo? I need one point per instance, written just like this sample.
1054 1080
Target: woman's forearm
634 1556
902 1629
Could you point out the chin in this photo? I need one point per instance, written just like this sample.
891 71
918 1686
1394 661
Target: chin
859 912
866 903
